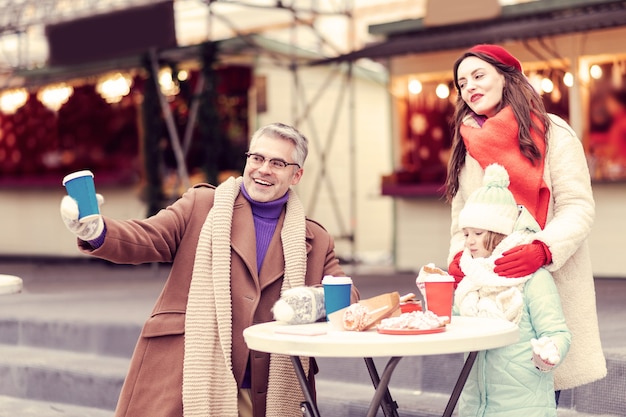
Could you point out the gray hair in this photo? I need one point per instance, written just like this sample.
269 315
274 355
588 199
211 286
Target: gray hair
286 132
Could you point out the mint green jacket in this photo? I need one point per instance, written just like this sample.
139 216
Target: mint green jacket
504 382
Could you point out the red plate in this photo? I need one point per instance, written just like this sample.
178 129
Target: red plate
412 331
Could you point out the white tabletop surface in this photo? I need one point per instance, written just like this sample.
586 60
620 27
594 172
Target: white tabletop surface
463 334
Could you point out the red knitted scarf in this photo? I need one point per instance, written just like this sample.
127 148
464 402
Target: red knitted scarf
497 142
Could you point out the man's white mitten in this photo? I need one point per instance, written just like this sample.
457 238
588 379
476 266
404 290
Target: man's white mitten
545 354
86 229
300 305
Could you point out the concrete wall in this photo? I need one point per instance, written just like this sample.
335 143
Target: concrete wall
31 224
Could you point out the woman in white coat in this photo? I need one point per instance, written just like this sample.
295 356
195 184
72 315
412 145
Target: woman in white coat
500 118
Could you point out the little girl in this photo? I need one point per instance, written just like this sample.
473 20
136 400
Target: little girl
514 380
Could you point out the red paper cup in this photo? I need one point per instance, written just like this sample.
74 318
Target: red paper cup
439 297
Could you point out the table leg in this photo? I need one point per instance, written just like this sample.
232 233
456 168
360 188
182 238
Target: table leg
382 396
460 383
308 406
389 406
382 390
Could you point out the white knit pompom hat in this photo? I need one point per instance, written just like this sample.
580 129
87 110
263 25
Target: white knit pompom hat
491 207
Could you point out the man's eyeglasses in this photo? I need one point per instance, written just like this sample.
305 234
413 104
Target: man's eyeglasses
257 160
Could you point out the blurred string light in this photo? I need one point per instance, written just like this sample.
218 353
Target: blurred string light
542 84
183 75
568 79
595 71
54 96
415 86
442 91
547 85
114 87
11 100
169 87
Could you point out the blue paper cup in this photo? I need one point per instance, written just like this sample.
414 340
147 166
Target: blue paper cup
336 293
80 187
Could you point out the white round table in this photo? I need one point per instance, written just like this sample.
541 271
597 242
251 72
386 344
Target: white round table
462 335
10 284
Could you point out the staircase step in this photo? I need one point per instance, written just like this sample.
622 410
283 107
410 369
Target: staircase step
19 407
83 379
608 394
436 375
96 310
110 339
352 400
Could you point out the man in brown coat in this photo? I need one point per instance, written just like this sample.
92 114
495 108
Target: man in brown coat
234 249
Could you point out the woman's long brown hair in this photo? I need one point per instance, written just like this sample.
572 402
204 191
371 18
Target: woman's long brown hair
526 104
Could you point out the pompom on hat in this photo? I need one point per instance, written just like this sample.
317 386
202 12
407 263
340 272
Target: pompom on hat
491 207
498 53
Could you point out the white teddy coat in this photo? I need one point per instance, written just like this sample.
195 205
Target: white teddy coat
570 217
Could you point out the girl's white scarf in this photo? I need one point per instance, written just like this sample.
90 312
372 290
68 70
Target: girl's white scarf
209 386
483 293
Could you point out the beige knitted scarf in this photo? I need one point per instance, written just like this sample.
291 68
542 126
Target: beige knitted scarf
209 386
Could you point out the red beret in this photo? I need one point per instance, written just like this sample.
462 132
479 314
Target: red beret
499 54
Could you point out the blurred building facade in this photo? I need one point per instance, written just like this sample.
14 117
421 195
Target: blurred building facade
369 82
568 51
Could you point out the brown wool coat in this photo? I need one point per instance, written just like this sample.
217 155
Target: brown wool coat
153 386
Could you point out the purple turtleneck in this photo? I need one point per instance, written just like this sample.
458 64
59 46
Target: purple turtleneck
265 219
265 216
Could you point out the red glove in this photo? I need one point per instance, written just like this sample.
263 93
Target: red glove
523 260
455 269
